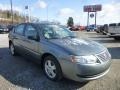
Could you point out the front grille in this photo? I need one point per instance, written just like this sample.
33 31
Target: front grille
104 56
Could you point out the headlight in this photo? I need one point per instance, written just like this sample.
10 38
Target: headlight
85 59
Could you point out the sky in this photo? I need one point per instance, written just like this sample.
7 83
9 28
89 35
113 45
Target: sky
60 10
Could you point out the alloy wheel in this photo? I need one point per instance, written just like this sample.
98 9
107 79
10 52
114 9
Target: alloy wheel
50 69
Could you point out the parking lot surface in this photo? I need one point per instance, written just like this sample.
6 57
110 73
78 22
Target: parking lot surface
18 73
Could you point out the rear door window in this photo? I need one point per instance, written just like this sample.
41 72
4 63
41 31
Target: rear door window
31 32
20 29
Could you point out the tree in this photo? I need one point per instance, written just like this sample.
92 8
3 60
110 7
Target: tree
16 17
70 22
8 14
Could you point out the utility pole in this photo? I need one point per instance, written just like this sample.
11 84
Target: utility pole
88 20
28 16
47 12
95 18
11 4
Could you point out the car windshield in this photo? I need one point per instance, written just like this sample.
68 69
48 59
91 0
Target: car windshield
57 32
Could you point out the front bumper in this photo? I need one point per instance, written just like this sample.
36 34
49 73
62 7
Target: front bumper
2 31
81 73
89 78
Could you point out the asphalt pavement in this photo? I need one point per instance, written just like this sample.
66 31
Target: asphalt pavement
18 73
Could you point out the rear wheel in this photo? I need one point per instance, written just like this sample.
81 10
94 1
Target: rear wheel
52 68
12 49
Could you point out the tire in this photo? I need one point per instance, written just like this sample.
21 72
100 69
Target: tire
104 33
97 32
12 49
117 38
53 68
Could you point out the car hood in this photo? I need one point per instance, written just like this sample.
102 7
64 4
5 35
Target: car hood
79 46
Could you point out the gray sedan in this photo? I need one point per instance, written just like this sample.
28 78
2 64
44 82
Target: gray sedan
59 51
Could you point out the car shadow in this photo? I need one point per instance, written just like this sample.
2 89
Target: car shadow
104 40
92 33
27 74
105 36
107 41
115 52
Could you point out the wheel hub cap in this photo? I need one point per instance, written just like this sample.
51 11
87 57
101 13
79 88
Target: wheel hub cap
50 68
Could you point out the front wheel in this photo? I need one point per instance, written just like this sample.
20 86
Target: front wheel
52 68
